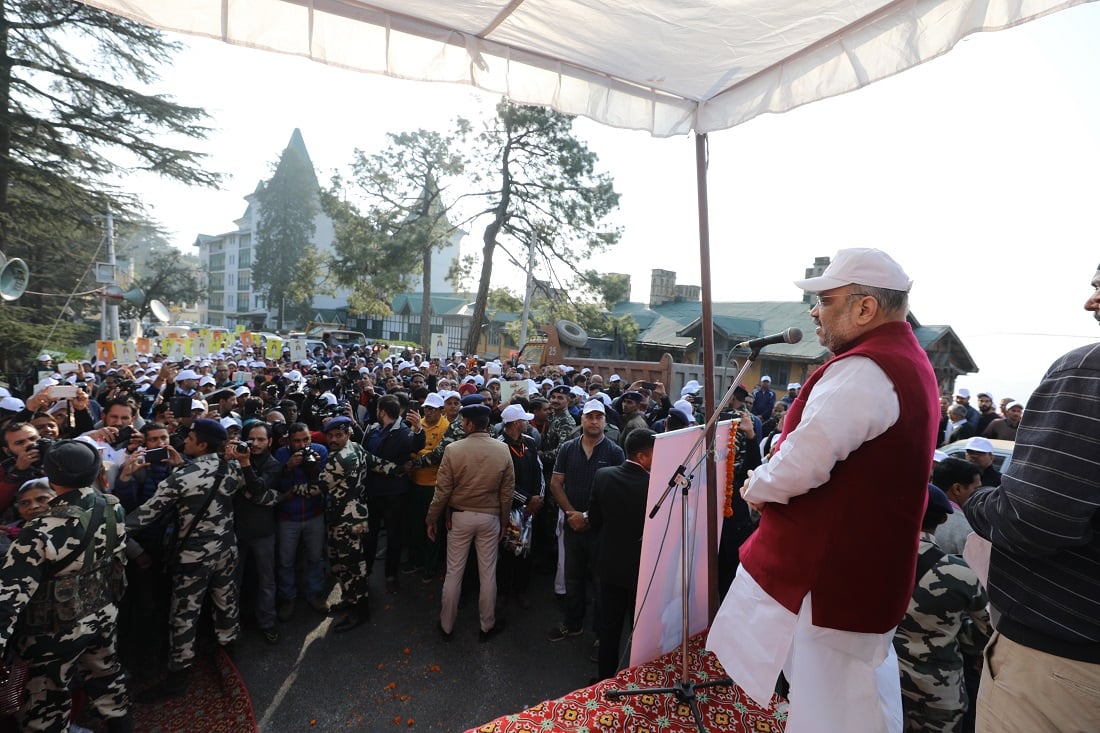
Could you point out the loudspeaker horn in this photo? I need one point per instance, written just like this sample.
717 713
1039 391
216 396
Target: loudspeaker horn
114 292
160 311
14 276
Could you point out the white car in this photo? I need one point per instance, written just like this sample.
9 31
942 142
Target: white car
1002 452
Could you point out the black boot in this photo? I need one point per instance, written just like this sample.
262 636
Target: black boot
355 616
174 684
120 725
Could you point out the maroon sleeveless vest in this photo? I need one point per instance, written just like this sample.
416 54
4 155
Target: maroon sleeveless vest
852 542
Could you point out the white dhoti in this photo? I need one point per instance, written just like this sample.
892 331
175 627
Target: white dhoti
840 680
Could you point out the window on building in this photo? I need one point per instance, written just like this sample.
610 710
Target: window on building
217 262
246 258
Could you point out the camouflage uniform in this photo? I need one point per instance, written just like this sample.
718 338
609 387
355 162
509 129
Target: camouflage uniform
346 516
76 634
944 629
558 432
435 456
207 560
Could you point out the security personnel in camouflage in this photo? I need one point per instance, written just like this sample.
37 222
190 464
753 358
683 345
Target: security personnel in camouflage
341 481
944 630
560 428
205 555
63 588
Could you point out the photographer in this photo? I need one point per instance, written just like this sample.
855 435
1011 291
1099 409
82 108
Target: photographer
118 437
144 608
254 519
22 460
301 520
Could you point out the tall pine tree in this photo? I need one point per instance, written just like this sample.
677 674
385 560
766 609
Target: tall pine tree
287 265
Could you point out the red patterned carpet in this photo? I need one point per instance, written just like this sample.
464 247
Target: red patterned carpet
725 709
217 701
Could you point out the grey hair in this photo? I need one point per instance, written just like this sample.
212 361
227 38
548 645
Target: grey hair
891 301
957 409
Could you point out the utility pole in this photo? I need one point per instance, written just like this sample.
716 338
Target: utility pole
112 310
527 294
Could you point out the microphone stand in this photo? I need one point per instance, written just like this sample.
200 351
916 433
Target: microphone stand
684 689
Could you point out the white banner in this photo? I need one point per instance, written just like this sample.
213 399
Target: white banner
658 611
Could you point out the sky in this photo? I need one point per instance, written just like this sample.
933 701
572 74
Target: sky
975 171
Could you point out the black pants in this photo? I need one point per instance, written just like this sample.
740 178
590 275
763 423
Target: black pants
616 607
580 567
388 509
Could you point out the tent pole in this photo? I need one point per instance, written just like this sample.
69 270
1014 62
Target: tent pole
710 390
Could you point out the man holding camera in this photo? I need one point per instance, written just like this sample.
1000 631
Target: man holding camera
301 519
145 608
22 460
205 552
254 519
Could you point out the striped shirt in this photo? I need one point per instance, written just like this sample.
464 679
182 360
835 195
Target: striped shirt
1044 574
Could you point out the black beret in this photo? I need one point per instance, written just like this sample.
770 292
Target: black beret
561 389
938 501
633 395
472 411
473 399
341 423
209 431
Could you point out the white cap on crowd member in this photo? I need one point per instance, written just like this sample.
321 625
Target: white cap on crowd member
493 380
294 376
198 405
511 413
328 398
859 266
684 405
434 399
493 369
963 392
230 422
691 387
615 378
604 397
593 406
546 383
794 385
207 380
447 394
939 456
986 394
532 388
242 390
586 370
45 357
4 393
186 374
1010 405
978 444
12 404
578 391
479 380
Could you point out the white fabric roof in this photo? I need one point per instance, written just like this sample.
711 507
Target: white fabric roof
666 66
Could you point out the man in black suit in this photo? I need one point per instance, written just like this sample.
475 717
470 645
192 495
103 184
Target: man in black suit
617 512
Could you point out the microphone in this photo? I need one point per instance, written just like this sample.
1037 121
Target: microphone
790 336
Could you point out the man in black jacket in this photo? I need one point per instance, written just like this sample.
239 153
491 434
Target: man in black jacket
254 521
1042 668
617 512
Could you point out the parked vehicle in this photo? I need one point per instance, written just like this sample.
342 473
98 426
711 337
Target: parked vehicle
1002 452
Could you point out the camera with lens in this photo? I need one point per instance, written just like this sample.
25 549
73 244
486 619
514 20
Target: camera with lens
126 385
308 457
244 446
42 445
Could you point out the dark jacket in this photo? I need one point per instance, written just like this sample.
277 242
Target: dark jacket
394 443
617 512
254 504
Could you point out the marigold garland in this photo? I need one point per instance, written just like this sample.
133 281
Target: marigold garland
731 461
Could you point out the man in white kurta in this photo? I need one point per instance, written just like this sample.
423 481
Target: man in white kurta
841 679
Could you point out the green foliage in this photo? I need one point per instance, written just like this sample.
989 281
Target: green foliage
28 331
284 232
70 129
544 188
392 214
167 277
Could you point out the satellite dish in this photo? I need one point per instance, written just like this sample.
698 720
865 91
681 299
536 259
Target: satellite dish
160 311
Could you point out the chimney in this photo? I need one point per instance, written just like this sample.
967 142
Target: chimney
662 287
820 263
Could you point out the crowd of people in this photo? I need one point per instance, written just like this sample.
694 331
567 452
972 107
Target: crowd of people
158 489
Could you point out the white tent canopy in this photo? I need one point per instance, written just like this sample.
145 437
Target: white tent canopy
665 66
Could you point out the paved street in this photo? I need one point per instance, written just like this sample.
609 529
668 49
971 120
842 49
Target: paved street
396 672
